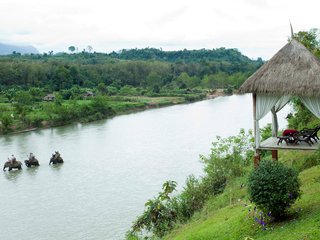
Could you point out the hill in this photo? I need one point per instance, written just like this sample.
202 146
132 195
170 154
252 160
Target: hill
6 49
201 55
227 216
212 69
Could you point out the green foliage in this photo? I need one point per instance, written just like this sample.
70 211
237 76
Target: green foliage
266 132
220 220
101 105
311 161
159 215
72 48
192 198
102 88
23 98
273 187
302 117
6 121
230 155
228 159
310 40
183 56
128 91
185 69
228 90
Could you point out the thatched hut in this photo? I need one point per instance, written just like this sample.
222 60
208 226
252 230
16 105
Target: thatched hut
293 71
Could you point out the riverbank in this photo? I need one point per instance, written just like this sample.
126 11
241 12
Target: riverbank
52 114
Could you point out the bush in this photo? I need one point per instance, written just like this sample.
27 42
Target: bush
273 187
214 183
308 161
191 199
229 156
160 214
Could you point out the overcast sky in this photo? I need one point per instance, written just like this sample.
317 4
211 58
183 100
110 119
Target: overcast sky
258 28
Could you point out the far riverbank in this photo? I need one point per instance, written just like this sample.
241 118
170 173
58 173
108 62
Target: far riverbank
51 114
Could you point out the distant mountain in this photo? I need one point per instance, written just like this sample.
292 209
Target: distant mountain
6 49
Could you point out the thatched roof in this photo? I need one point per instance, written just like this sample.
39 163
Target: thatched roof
292 71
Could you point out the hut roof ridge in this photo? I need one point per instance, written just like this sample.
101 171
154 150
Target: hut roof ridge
293 70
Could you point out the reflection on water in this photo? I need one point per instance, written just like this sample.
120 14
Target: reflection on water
56 167
32 171
12 175
111 167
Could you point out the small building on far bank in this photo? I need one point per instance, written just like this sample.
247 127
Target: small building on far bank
88 94
50 97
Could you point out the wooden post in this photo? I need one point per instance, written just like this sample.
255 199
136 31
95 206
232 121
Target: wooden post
274 154
256 158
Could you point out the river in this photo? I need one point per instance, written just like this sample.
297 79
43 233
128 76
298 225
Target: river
112 167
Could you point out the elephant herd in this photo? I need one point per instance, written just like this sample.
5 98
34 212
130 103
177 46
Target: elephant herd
32 161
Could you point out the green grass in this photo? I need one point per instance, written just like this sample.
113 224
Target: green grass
226 216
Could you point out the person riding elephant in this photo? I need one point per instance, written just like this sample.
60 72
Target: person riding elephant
31 161
12 163
57 155
12 159
56 158
31 157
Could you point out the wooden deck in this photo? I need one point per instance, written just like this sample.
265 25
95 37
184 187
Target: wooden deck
271 144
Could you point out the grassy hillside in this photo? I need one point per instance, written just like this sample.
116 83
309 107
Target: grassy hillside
230 215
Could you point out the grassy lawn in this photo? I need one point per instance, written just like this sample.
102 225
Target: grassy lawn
222 220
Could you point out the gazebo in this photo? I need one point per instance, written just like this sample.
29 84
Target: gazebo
293 71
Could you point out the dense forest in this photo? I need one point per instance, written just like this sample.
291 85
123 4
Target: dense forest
144 68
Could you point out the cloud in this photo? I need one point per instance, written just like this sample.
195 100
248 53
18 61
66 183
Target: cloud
168 17
258 28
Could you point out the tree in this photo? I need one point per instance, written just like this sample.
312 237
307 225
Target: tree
310 40
153 79
5 122
102 88
89 48
72 48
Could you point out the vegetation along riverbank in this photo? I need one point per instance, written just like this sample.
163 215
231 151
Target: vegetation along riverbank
45 90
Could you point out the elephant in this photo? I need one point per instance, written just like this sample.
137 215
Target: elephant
32 162
11 165
56 158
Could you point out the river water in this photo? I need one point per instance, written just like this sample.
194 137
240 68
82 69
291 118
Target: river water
112 167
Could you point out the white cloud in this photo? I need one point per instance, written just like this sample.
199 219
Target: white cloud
256 28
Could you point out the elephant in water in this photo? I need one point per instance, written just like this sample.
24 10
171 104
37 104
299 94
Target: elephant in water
32 162
56 158
11 165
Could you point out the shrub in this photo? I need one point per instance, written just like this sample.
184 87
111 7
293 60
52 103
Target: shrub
214 183
160 213
5 122
273 187
191 199
310 160
229 156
